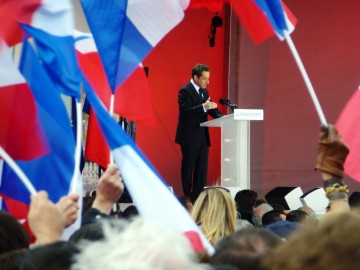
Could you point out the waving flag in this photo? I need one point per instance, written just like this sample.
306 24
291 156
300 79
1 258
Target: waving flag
262 19
132 99
52 172
21 134
52 27
125 31
348 126
141 179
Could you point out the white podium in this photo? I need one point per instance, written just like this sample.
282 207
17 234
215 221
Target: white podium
235 146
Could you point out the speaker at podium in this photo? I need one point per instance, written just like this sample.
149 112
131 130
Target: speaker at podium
288 197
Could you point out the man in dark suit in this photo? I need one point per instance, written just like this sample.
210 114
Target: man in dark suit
194 107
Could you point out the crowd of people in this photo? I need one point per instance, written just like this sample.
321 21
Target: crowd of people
246 231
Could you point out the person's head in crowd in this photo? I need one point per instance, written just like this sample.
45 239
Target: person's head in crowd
90 232
130 212
273 216
245 249
138 244
215 213
283 228
55 256
332 245
186 202
311 214
245 200
259 202
259 212
10 260
298 216
13 235
354 200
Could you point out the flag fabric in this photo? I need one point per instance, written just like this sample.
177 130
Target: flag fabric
21 134
150 194
125 31
348 126
52 27
262 19
52 172
132 99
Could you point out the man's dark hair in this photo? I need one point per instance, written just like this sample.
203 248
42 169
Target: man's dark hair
13 235
271 217
245 249
296 216
354 199
245 200
198 70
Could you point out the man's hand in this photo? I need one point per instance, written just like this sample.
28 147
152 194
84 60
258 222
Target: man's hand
210 105
109 189
68 207
45 219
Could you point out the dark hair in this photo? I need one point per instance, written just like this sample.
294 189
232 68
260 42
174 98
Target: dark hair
56 256
245 200
271 217
246 248
198 69
13 235
354 199
130 212
91 232
296 216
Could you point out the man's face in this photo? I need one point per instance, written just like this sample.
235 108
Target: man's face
203 80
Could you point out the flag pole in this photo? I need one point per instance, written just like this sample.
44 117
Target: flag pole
17 171
74 181
306 79
112 102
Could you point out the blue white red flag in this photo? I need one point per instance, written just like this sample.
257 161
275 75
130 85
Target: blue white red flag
141 179
21 134
348 126
52 27
125 31
52 172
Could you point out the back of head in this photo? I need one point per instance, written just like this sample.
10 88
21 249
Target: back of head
245 200
272 216
298 216
56 256
214 211
246 248
137 244
260 211
332 245
354 199
130 212
13 235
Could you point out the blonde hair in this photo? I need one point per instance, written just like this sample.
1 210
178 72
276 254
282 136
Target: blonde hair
215 212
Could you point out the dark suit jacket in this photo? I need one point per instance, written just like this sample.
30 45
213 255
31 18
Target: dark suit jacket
191 115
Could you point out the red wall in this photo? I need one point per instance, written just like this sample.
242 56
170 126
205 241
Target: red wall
170 65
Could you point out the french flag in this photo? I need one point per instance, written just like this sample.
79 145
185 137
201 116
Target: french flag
125 31
52 26
348 126
132 98
52 172
21 134
262 19
148 191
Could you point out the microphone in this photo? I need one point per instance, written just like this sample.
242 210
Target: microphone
227 102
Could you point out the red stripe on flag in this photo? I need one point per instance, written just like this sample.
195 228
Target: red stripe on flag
349 128
21 134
